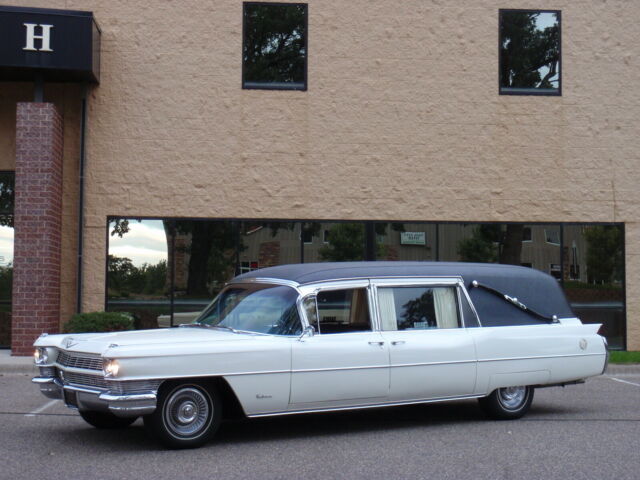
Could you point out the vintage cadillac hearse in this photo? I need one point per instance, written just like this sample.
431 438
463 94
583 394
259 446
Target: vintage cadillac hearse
331 336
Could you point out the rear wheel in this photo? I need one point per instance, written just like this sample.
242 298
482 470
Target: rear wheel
106 420
187 416
507 403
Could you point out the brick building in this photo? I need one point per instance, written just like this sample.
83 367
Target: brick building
408 130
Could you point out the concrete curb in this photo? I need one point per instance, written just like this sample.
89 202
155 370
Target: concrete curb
16 365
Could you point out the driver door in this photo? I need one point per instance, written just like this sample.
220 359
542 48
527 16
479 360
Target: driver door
346 362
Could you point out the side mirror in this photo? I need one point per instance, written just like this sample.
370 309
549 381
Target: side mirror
308 331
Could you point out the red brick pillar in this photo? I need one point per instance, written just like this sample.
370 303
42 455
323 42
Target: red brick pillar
37 225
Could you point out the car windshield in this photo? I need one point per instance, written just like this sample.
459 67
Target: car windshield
259 308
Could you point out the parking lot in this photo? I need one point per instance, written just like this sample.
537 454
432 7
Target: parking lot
578 432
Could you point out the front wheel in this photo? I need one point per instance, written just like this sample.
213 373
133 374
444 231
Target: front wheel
187 416
106 420
507 403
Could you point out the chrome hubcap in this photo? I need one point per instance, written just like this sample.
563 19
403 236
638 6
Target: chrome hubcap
187 412
512 398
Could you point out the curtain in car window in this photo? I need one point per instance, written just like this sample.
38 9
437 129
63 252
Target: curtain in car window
388 315
445 306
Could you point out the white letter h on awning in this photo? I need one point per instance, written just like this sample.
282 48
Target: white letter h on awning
45 38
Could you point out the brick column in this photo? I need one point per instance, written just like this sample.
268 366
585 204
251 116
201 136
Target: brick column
37 222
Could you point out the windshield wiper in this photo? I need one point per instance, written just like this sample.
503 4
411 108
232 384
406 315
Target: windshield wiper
224 327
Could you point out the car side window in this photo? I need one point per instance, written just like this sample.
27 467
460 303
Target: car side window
470 317
341 311
418 308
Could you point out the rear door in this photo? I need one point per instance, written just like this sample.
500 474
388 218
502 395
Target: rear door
432 355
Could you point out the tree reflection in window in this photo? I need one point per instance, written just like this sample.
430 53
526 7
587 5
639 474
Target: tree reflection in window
7 195
529 52
275 46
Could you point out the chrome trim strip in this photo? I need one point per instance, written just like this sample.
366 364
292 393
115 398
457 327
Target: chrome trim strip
46 380
124 411
426 364
412 279
445 281
75 388
540 357
607 355
272 372
109 397
275 281
471 305
336 369
362 407
82 371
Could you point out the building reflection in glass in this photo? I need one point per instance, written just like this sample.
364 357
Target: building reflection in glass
166 271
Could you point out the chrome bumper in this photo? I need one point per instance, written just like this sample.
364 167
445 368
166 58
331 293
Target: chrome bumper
83 398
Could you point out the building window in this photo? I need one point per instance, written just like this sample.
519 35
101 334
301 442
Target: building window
552 235
526 234
307 236
7 198
530 52
274 52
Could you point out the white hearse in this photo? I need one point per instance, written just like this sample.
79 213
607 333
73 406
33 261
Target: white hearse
331 336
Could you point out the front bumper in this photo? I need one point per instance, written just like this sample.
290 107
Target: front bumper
84 398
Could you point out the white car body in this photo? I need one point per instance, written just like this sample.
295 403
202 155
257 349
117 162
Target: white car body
283 374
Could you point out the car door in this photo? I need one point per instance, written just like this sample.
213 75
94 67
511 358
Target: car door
431 355
345 362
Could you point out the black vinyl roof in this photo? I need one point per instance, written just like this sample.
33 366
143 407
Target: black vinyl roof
537 290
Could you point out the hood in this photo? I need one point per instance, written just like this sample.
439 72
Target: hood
100 342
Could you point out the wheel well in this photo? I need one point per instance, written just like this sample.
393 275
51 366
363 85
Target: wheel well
231 410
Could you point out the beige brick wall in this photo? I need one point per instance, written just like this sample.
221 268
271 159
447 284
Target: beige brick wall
402 120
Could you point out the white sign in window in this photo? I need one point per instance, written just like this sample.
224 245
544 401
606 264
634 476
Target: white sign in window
413 238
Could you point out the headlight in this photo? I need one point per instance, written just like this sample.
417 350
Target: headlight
111 368
41 356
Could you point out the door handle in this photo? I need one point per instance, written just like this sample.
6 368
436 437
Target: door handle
376 343
398 342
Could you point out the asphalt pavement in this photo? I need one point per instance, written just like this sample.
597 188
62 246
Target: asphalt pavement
589 431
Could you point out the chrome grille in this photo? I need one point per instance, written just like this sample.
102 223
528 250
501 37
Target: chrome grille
98 381
47 371
84 360
83 380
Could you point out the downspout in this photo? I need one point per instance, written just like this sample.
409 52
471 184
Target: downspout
83 135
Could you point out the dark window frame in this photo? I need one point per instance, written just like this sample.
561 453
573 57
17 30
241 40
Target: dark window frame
266 86
541 92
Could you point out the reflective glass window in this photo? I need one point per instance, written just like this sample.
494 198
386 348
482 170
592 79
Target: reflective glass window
138 279
406 241
7 196
275 46
594 277
334 242
530 52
